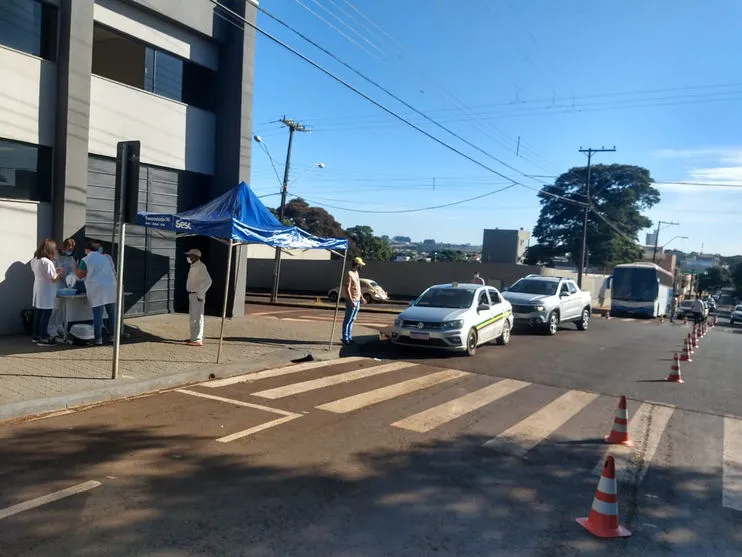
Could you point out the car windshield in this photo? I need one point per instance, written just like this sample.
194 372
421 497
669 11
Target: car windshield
373 283
687 303
453 298
635 284
738 308
542 287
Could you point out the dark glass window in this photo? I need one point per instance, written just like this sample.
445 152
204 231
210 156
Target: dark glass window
29 26
168 76
126 60
25 171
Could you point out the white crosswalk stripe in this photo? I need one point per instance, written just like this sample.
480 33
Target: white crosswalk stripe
432 418
330 380
277 372
356 402
732 465
525 435
645 429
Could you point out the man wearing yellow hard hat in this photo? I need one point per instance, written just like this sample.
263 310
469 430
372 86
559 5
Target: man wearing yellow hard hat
353 299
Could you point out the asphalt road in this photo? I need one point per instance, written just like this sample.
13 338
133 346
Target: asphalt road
490 455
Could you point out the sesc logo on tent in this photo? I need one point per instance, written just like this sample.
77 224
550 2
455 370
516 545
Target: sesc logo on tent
183 225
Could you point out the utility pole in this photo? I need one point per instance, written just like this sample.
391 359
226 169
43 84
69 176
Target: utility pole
657 236
583 250
293 127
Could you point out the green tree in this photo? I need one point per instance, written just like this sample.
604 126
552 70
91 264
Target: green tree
714 278
451 256
619 193
314 220
366 245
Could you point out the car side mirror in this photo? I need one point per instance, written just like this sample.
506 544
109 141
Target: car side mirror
564 294
483 307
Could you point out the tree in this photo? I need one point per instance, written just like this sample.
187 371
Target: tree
314 220
737 278
714 279
618 195
451 256
366 245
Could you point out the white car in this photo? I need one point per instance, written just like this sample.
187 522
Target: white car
370 290
458 317
736 315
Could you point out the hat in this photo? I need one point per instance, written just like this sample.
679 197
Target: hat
196 252
358 261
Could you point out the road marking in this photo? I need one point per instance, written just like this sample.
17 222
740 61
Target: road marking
50 498
322 382
364 323
277 372
645 429
528 433
297 319
370 398
274 312
432 418
732 474
257 428
237 402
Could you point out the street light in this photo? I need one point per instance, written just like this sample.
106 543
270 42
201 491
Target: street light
675 238
312 167
259 140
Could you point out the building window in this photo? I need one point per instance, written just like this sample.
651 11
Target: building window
25 171
126 60
29 26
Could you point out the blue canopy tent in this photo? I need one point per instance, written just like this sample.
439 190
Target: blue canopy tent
239 217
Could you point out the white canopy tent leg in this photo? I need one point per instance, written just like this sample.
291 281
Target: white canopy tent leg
226 298
337 302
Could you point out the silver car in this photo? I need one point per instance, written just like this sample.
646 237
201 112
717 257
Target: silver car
454 316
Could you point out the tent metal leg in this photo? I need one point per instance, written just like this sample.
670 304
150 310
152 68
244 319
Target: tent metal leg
337 302
226 298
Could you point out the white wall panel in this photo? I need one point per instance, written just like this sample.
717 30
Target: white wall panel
26 224
27 97
173 135
157 32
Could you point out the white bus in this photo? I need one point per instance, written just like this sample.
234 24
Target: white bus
640 289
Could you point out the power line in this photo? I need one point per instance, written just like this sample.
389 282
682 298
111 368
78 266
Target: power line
388 92
375 102
417 210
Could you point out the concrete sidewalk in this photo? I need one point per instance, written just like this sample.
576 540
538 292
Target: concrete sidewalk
36 380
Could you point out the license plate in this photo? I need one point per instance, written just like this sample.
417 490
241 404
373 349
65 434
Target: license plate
419 336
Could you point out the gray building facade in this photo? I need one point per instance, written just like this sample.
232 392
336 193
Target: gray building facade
85 74
504 246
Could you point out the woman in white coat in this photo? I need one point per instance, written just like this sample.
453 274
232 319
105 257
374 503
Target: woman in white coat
100 284
46 274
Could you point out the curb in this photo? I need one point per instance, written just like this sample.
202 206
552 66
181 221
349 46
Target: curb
17 411
324 307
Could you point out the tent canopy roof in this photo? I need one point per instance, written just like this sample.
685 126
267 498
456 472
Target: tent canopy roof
240 216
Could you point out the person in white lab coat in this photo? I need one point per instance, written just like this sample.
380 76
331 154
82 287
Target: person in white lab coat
100 284
46 274
66 261
198 283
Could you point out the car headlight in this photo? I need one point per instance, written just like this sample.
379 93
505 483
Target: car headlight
538 308
397 322
455 324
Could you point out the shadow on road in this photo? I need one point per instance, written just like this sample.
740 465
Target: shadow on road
184 495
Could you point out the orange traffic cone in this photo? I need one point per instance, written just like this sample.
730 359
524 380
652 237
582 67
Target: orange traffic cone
685 355
602 521
619 434
694 340
675 376
689 341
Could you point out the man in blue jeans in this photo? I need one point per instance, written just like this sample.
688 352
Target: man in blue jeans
353 299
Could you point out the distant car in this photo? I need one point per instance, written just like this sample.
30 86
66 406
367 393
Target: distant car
736 315
545 302
685 309
458 317
370 290
711 305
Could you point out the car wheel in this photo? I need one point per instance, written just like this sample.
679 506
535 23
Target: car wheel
552 323
584 322
333 296
472 339
504 338
368 298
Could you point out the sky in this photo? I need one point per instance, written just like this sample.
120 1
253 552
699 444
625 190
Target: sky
523 84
